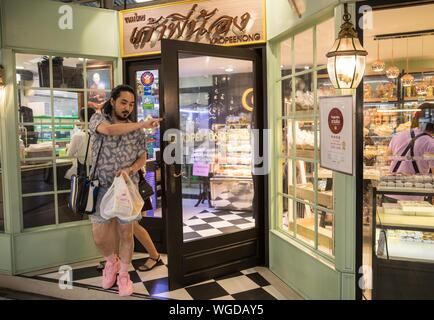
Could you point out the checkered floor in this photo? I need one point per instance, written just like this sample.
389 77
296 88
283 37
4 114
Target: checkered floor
216 222
245 285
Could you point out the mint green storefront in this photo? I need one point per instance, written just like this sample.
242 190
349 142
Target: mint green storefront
318 260
39 28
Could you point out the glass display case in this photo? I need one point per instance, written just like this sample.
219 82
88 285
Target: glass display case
403 233
232 167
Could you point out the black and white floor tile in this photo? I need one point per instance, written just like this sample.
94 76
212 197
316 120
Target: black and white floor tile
216 222
247 284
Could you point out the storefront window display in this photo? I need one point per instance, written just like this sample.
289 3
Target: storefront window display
398 184
52 92
306 189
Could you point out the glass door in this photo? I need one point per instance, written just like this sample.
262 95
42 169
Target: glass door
144 77
209 108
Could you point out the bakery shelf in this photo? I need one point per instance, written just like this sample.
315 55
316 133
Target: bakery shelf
404 191
306 193
306 229
395 221
379 100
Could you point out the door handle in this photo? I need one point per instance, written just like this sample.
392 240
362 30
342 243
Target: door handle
177 175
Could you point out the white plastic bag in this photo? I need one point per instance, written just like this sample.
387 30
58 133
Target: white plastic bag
136 198
120 200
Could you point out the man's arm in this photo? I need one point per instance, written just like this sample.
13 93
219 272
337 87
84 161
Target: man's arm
124 128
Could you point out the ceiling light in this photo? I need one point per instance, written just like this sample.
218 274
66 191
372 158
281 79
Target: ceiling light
306 67
140 1
229 69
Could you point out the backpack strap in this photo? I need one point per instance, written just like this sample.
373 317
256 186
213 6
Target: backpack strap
410 148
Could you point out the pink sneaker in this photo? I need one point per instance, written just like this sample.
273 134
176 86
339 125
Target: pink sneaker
125 284
109 274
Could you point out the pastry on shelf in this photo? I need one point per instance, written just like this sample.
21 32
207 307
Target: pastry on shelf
403 126
383 130
367 91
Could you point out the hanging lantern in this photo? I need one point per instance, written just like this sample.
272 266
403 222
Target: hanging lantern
421 88
378 65
392 72
407 79
347 58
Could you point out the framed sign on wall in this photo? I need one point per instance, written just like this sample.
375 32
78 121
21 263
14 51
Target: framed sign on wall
337 133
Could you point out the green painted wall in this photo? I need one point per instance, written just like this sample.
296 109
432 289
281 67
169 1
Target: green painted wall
281 17
32 26
35 25
307 272
5 253
54 247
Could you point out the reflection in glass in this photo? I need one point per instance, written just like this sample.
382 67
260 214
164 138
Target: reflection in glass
216 105
325 37
148 105
65 213
326 232
37 176
286 57
99 82
288 215
32 70
68 72
303 47
38 211
305 227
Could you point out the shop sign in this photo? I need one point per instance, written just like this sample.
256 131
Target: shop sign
201 169
336 137
219 22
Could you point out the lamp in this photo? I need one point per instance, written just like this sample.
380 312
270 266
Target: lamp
347 58
422 86
378 65
392 72
407 79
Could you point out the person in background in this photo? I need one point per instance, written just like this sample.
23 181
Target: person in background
78 147
123 152
408 147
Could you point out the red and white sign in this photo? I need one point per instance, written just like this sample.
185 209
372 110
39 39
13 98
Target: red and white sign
336 136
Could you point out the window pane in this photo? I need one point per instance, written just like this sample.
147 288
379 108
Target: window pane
304 97
325 86
325 188
99 81
305 223
325 37
286 57
305 180
286 97
326 232
67 105
303 47
288 215
68 72
38 211
37 176
286 146
32 70
66 214
305 139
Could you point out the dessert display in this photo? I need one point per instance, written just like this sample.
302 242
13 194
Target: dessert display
407 181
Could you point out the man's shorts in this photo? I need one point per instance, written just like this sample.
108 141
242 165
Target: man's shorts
96 217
